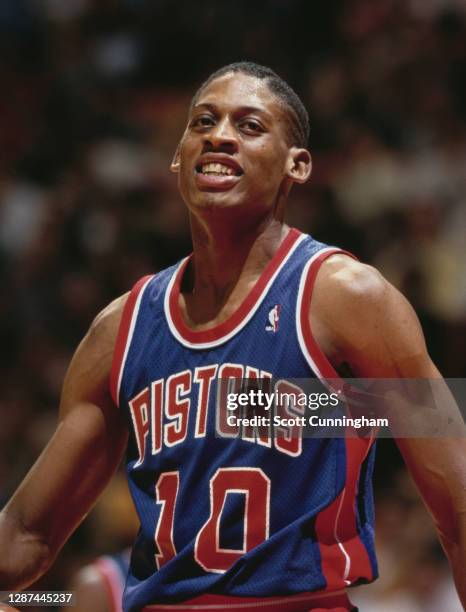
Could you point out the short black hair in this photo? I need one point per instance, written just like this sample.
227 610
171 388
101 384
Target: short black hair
298 117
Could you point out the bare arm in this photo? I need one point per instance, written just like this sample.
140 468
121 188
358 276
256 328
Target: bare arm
77 463
364 323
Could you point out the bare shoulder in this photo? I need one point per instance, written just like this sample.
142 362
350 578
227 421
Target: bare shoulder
364 321
347 292
106 324
348 278
88 374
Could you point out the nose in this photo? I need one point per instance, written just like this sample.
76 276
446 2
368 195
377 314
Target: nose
222 136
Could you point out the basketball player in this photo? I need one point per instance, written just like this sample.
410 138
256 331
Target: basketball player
99 586
236 522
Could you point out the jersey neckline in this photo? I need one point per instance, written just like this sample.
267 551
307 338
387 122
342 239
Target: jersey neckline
222 332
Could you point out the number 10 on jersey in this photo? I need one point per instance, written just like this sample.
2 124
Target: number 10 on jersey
251 482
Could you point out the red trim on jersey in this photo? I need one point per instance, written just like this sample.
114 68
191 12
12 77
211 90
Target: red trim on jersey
122 336
326 369
218 331
357 450
303 602
111 577
344 557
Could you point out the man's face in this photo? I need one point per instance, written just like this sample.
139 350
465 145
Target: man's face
234 152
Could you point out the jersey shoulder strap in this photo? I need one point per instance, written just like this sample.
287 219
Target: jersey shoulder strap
124 335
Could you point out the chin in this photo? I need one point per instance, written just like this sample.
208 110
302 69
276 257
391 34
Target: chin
215 200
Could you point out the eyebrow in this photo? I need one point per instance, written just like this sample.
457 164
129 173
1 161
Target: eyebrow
242 109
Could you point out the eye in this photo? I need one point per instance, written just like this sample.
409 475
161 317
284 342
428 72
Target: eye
202 121
251 126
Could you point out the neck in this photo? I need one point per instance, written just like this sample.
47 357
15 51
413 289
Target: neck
228 259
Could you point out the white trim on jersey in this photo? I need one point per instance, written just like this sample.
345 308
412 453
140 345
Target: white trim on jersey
244 321
302 283
311 360
134 316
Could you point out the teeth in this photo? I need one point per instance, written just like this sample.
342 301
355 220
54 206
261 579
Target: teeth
217 169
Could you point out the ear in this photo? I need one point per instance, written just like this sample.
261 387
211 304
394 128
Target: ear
299 165
175 165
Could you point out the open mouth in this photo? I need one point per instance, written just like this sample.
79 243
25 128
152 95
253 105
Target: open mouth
216 169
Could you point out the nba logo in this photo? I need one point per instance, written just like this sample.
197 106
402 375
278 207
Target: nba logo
274 315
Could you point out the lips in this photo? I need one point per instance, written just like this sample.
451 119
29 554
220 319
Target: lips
217 172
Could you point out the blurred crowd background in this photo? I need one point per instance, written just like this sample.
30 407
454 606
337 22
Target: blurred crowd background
94 97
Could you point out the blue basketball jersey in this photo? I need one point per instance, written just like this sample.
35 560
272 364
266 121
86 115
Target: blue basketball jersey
240 514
